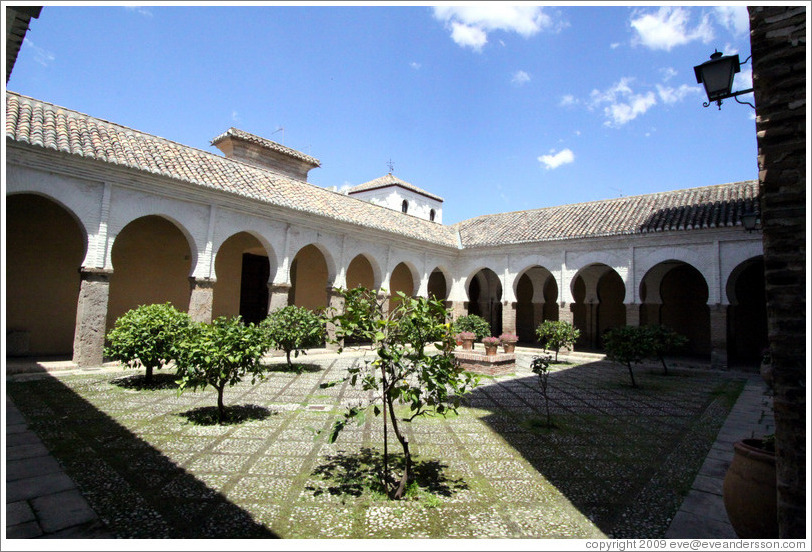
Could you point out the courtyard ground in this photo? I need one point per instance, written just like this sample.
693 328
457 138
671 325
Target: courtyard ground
152 464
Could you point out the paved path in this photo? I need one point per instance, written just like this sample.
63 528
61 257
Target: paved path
43 502
702 514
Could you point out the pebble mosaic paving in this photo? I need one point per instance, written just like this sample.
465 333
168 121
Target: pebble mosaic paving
617 464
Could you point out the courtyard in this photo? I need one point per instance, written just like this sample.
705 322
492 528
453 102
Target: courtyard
153 464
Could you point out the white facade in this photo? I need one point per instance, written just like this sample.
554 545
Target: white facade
393 197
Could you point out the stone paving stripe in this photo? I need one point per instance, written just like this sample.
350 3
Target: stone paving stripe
23 469
28 530
686 525
24 489
19 512
61 510
32 450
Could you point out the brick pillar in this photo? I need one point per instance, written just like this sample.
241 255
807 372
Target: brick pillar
509 317
632 314
335 306
778 45
91 317
278 296
201 299
718 336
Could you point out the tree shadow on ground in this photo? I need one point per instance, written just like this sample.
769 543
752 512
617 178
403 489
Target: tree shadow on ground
138 382
295 368
234 414
136 489
624 456
355 473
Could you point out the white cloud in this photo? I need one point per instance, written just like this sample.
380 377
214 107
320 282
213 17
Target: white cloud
140 10
671 95
41 55
614 45
624 104
520 77
414 65
555 160
471 24
568 100
669 27
735 18
468 36
668 73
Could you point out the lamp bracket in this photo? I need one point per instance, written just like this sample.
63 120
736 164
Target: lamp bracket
733 95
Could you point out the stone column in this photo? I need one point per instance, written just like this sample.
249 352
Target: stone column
538 315
335 306
91 317
565 312
632 314
201 299
384 301
591 329
456 308
718 336
509 317
278 295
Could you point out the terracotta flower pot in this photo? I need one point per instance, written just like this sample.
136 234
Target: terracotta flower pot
509 346
490 350
749 491
468 344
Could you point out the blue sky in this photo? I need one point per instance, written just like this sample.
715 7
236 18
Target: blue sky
495 107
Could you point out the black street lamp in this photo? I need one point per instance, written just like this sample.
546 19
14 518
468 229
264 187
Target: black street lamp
717 77
749 221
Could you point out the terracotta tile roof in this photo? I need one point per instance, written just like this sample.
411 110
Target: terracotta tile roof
389 180
269 144
706 207
45 125
48 126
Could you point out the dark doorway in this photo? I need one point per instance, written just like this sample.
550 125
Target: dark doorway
254 288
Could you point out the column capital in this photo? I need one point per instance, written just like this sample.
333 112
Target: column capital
94 274
202 283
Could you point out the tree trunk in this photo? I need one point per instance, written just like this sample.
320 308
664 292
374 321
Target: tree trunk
404 442
148 375
631 373
665 367
290 364
221 410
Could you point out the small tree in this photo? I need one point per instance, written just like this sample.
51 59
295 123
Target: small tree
403 372
541 367
220 354
474 324
146 336
664 340
555 334
627 344
293 329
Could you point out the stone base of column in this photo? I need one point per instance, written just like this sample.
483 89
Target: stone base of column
335 306
509 317
91 317
201 299
278 295
632 314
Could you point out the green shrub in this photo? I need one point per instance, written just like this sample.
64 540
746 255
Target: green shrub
220 354
627 345
146 336
403 372
474 324
663 341
555 334
293 329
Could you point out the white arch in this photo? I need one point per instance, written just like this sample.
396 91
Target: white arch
272 258
373 263
190 241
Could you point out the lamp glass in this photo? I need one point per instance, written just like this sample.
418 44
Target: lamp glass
749 221
717 75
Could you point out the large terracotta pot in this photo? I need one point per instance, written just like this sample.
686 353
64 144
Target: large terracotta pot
468 344
749 491
509 346
491 350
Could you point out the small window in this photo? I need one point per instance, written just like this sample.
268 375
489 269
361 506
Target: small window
405 206
431 215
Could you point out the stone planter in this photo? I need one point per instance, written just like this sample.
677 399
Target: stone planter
749 491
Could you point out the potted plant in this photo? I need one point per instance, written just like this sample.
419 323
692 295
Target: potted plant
508 341
490 343
467 340
749 489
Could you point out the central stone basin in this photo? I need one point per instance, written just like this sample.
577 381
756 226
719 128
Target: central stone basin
489 365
